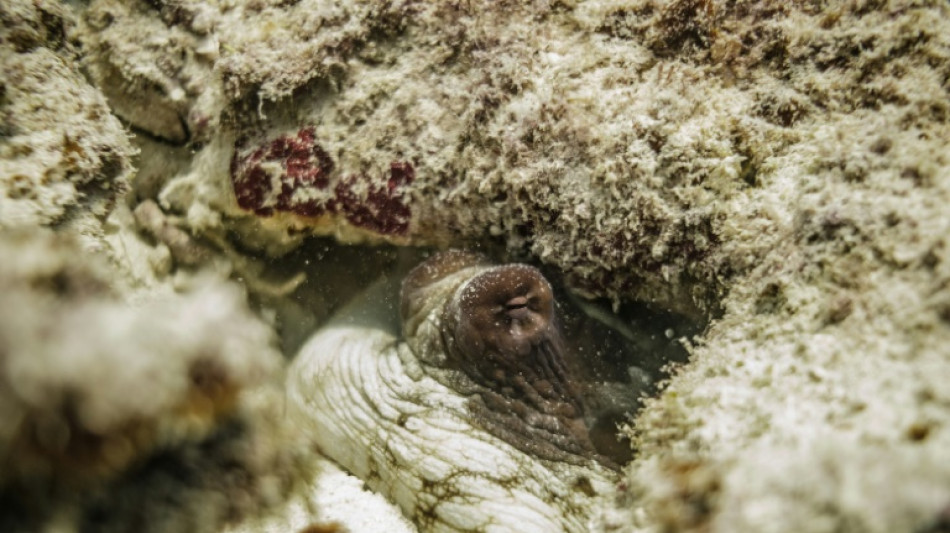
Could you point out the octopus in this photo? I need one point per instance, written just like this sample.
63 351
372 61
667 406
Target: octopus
466 413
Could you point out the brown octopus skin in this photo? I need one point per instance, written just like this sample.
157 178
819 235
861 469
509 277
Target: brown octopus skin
469 424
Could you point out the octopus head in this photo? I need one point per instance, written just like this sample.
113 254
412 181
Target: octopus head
500 328
499 343
506 312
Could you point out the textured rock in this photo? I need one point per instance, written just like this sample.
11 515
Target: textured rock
93 387
779 167
64 159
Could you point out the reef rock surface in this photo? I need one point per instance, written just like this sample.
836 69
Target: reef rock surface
779 169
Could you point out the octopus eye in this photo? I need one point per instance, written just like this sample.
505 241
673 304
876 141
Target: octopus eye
504 312
518 307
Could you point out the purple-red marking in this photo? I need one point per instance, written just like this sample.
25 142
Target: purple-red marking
381 208
294 174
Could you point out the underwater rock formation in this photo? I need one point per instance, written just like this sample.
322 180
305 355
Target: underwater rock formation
93 387
779 168
65 160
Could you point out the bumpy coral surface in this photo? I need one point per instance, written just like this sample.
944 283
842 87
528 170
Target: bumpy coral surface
93 388
61 321
64 158
780 168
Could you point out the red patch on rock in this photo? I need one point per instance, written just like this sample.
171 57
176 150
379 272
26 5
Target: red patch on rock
293 174
287 174
378 207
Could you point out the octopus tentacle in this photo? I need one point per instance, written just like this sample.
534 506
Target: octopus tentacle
471 421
